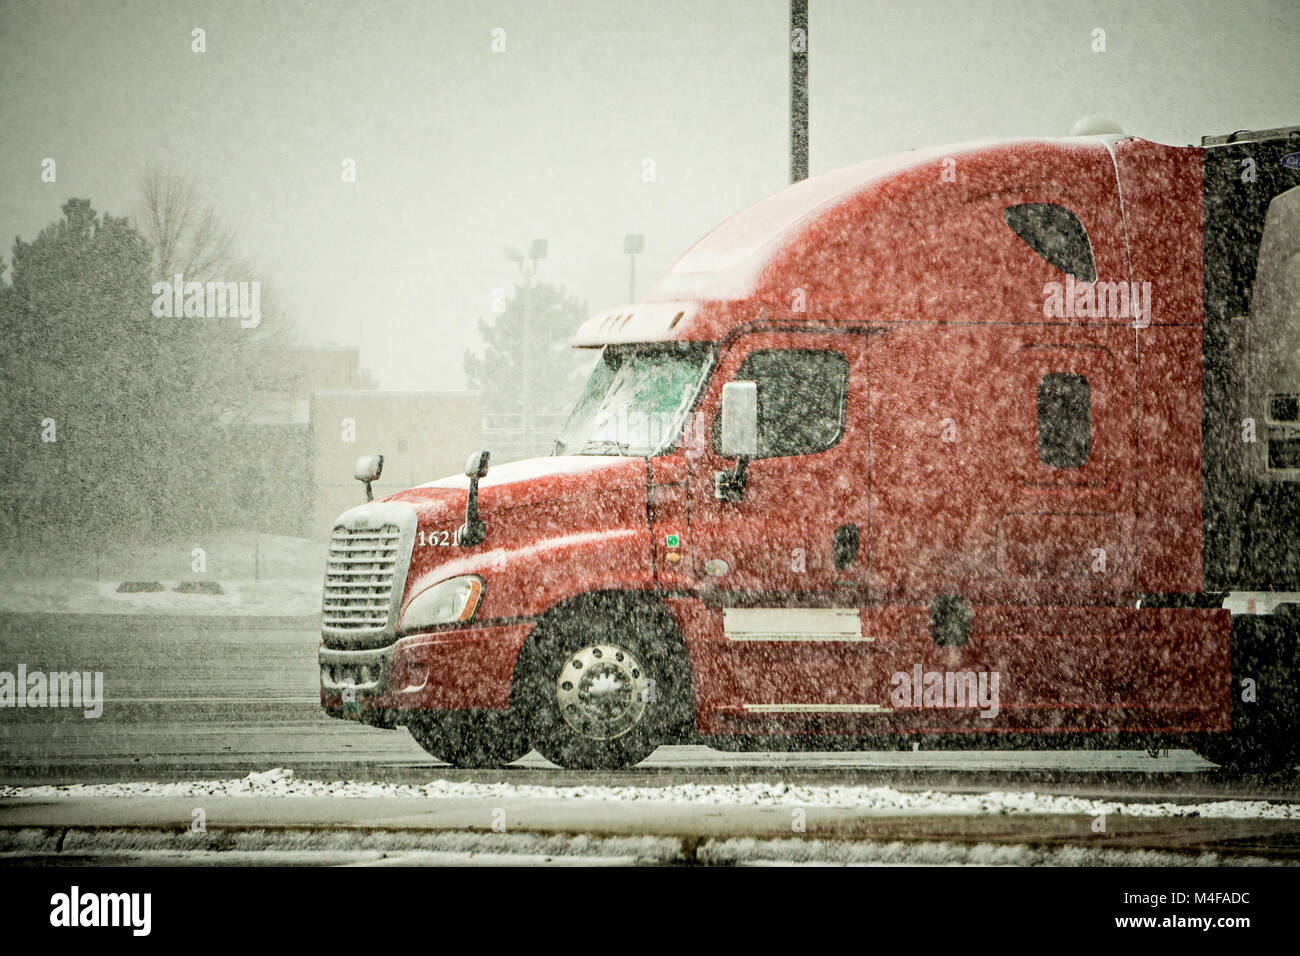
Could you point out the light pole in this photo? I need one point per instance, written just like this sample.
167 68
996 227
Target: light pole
798 90
527 268
633 243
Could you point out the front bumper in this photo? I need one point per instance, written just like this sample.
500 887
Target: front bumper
464 669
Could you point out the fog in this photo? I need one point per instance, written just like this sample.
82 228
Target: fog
460 149
257 242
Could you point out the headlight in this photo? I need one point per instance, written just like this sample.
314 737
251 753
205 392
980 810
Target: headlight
448 602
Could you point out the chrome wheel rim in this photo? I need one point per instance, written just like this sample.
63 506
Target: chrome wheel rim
602 691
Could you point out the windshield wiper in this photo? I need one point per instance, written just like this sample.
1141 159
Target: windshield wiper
620 447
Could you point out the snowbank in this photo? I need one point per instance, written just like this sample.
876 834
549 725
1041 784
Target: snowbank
275 598
281 782
259 575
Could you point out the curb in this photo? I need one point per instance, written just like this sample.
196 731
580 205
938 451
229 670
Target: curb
75 843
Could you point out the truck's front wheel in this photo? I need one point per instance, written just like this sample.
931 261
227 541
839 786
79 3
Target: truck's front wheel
603 683
470 739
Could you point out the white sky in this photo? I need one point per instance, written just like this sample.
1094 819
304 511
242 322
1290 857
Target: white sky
461 150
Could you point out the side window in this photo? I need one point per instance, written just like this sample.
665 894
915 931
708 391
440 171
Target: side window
1056 234
1064 420
802 394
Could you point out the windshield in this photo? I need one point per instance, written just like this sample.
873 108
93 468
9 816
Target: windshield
636 400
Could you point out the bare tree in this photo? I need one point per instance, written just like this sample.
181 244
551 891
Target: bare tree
189 238
237 375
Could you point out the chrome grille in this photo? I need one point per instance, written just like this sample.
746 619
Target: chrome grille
359 577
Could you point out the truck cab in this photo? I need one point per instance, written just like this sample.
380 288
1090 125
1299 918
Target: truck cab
913 451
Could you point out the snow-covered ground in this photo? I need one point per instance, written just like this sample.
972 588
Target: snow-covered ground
282 782
284 597
259 575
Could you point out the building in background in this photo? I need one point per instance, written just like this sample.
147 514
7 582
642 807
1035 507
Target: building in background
422 436
299 450
505 436
267 459
319 368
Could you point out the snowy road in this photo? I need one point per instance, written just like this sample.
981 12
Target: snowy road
193 708
274 817
186 701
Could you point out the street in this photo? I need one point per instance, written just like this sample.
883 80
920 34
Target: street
218 720
186 699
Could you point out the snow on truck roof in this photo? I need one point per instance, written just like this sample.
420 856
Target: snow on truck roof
726 263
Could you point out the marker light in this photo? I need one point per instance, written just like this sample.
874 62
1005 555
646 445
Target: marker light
453 601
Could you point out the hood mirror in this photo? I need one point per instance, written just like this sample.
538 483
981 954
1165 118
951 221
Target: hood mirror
368 468
473 531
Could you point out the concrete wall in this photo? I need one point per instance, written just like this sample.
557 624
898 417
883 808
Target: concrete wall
422 436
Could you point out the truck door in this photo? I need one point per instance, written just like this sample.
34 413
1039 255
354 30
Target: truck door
783 569
799 526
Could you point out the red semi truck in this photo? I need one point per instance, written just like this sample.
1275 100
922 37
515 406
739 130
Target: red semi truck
994 445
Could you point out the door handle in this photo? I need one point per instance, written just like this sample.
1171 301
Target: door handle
846 540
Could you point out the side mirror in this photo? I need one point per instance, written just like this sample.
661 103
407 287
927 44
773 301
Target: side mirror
368 468
740 420
473 531
739 438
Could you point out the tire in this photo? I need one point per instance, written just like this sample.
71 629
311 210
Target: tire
1263 735
471 739
603 681
1233 753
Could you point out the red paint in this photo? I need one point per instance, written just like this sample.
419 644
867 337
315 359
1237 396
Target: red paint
459 669
938 310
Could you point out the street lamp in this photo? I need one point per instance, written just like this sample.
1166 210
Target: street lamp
633 243
527 268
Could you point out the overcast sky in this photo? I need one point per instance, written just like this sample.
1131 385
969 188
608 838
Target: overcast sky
460 150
